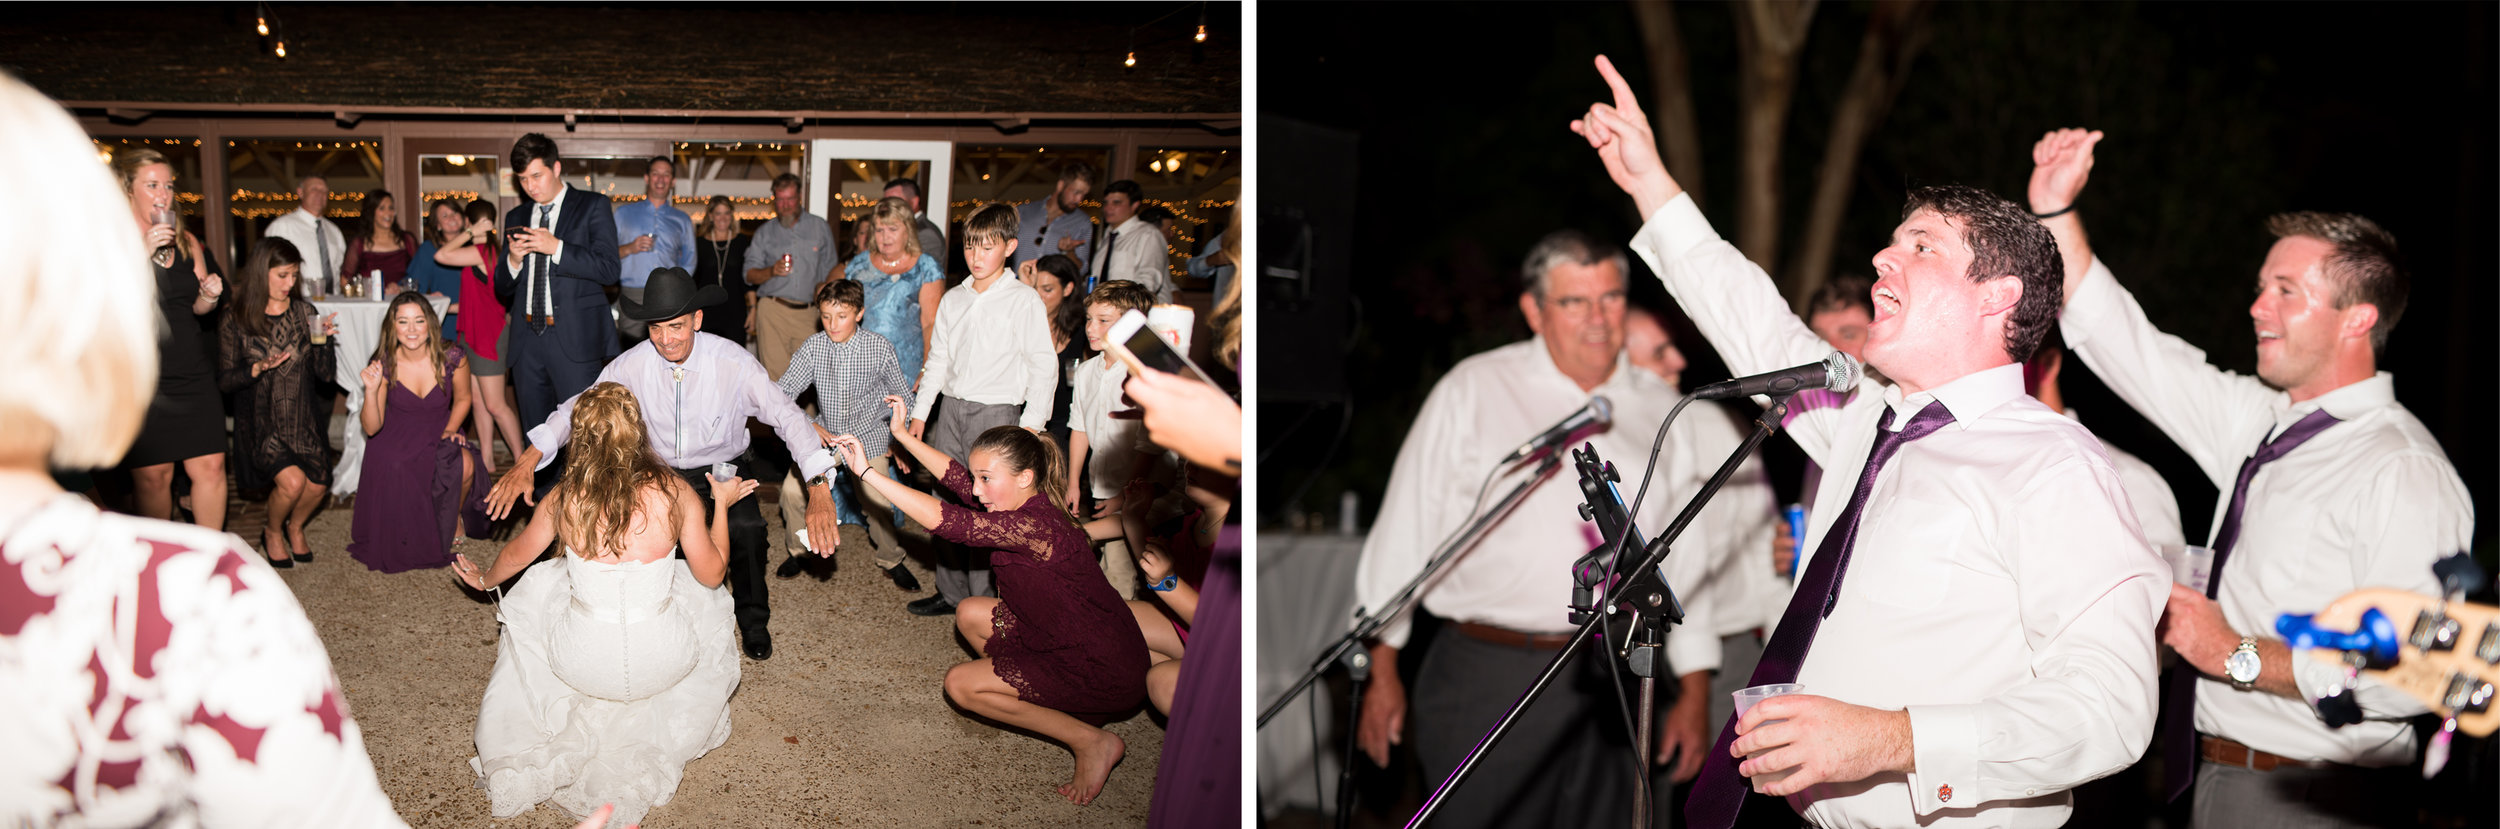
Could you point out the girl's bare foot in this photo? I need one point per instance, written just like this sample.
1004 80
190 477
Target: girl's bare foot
1094 759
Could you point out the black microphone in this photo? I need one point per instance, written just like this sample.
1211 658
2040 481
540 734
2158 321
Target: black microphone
1598 411
1836 373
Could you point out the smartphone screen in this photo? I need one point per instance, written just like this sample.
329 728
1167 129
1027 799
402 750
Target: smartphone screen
1143 347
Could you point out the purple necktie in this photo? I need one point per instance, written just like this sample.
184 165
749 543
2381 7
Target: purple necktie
2178 689
1719 794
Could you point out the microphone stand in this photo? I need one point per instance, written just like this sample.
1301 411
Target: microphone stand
1645 593
1348 649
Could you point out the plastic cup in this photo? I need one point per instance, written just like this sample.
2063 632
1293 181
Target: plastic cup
724 471
2191 565
1172 323
803 542
1745 699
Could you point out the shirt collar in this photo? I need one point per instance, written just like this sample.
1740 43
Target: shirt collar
1132 223
1967 397
1621 381
2351 401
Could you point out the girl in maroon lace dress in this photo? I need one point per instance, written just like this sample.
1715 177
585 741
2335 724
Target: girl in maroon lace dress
379 246
1061 652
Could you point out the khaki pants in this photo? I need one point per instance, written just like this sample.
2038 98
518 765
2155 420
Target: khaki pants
889 551
779 329
1119 565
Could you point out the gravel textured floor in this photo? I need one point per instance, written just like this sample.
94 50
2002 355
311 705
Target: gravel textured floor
846 725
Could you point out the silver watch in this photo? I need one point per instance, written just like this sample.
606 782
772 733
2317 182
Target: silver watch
2243 665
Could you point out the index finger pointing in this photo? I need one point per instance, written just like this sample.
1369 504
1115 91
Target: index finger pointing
1624 99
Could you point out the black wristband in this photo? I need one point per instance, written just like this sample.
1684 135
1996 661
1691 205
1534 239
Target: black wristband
2069 208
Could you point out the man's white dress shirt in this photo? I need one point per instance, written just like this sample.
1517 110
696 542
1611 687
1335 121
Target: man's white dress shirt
1137 253
992 347
2370 502
1999 591
1519 575
304 229
2156 509
1728 587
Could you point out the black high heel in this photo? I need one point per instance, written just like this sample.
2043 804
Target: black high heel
278 563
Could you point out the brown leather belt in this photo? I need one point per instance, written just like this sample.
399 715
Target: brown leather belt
795 306
1512 638
2229 753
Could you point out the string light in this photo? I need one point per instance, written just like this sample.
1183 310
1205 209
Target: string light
456 160
264 28
1202 33
1131 63
282 50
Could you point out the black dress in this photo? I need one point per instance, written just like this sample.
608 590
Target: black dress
185 418
278 420
727 320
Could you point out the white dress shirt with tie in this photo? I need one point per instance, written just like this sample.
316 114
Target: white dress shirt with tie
1136 252
1999 591
316 239
2370 502
536 296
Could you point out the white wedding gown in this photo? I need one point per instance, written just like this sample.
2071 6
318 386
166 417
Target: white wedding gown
609 678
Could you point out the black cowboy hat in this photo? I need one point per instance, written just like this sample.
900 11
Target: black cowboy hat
670 294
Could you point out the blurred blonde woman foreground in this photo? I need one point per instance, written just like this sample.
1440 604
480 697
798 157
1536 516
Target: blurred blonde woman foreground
617 658
151 673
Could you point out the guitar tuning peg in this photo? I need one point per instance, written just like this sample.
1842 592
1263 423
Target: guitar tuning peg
2435 755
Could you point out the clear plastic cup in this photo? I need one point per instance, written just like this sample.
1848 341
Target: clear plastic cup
1745 699
724 471
2192 566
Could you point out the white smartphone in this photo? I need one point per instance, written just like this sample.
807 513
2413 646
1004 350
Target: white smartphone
1135 345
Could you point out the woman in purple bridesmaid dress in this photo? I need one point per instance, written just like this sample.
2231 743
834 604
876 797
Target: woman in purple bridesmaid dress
417 466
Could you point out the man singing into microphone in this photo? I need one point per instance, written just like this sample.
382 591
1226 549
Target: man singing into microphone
1973 617
1565 762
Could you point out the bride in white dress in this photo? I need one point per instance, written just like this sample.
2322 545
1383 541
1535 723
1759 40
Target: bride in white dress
617 659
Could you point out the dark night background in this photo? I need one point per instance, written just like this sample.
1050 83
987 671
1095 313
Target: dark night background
2217 115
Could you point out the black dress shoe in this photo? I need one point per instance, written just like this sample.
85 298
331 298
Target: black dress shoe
936 605
903 578
281 563
790 568
304 557
758 642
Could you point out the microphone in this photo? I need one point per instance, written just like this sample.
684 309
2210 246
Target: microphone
1598 411
1835 373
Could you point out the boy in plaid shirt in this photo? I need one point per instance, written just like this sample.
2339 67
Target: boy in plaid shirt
852 370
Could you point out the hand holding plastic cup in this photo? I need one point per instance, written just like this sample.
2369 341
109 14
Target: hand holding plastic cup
1745 699
724 471
2191 566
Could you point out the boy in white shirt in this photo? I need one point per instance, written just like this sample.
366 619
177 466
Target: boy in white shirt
1112 443
989 356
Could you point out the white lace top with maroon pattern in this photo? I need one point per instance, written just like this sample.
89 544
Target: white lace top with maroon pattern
160 674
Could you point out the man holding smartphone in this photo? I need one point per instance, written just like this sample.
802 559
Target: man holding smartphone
560 258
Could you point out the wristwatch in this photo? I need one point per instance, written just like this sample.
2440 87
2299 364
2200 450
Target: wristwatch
2242 666
825 480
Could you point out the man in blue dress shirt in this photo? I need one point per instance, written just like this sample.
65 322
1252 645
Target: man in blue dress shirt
651 234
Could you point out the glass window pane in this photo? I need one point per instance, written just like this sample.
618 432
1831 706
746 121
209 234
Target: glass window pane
741 170
265 172
1200 186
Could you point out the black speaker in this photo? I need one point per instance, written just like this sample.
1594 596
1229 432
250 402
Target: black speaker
1306 223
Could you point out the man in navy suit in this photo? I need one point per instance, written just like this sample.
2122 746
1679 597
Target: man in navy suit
560 257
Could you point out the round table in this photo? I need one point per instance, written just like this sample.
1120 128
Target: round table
360 331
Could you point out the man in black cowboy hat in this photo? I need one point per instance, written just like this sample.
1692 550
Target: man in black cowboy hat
697 391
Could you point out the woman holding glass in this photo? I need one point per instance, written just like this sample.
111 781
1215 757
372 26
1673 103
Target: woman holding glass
275 353
186 420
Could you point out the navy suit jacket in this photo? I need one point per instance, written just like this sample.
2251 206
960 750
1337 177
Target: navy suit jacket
583 329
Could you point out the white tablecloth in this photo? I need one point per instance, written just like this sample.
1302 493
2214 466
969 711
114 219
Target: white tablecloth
1306 601
360 330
